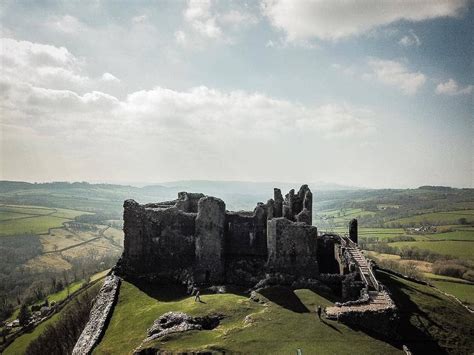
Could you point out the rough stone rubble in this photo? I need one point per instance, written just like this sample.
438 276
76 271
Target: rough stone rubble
99 315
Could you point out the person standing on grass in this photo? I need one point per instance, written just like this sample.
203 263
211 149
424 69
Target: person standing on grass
319 312
197 298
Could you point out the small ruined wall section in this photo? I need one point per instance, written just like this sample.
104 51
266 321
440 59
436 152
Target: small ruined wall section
246 233
292 247
384 321
99 316
327 257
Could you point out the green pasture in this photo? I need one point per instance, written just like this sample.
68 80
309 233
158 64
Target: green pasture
16 220
451 217
463 291
462 235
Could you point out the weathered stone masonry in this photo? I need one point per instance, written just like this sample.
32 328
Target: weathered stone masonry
195 240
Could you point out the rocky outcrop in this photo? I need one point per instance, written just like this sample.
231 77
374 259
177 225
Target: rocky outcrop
178 322
99 316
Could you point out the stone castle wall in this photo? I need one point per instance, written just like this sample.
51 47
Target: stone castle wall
194 239
292 247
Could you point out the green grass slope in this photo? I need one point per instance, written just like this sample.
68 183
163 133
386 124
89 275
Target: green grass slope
288 323
430 322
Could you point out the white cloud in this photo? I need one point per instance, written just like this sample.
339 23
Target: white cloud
346 70
139 19
237 18
46 66
204 22
66 24
35 54
180 37
411 39
396 74
452 88
198 110
40 64
332 20
198 15
182 130
110 78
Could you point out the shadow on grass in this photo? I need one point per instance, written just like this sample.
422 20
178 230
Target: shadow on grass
175 292
330 326
160 292
417 338
284 297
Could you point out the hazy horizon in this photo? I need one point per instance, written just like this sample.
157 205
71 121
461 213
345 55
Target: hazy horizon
272 90
325 185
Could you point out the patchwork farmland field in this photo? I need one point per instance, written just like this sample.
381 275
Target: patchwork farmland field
436 218
16 220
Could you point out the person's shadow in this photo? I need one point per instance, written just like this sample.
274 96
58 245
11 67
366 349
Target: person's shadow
330 326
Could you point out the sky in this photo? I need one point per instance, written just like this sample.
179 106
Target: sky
363 93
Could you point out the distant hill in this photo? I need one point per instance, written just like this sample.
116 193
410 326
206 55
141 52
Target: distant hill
107 197
237 195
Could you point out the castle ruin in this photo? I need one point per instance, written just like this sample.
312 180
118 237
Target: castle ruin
195 240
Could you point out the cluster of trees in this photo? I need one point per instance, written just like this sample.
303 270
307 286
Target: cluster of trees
411 253
28 286
414 253
6 307
60 337
442 264
98 217
14 278
459 268
408 269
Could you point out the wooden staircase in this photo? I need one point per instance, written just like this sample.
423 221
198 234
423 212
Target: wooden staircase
378 298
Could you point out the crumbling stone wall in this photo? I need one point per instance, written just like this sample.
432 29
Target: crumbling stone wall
158 241
246 233
188 202
194 239
326 251
292 247
298 207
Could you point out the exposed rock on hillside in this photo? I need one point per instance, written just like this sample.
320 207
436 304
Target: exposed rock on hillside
177 322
